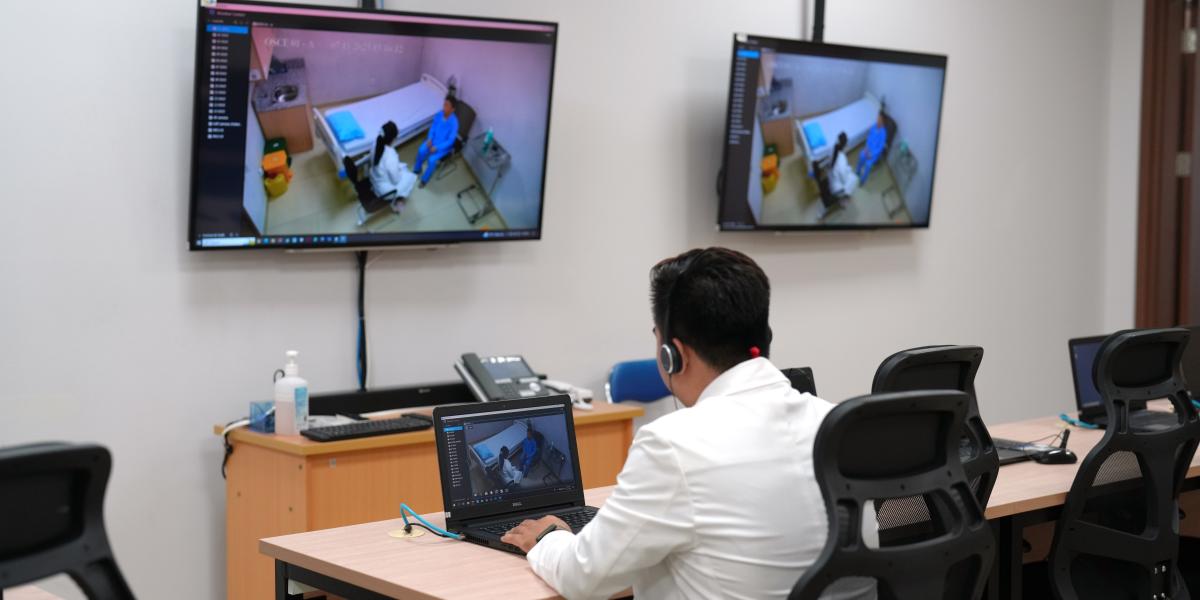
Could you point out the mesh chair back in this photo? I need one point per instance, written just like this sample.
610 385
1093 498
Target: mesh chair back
52 519
901 446
1118 533
948 368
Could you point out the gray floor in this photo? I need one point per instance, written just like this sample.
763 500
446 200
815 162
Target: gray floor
317 201
795 201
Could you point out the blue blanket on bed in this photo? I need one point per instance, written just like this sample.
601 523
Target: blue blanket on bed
345 127
816 137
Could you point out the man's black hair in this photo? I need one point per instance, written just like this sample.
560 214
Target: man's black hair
453 101
721 307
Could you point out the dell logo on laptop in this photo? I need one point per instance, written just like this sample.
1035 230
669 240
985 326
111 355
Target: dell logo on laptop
516 504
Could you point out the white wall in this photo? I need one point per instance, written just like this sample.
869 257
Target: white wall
1123 108
506 84
114 332
910 95
841 82
254 195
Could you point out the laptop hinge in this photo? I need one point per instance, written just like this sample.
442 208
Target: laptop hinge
525 513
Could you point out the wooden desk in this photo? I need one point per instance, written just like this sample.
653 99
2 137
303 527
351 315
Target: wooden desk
288 484
364 562
27 592
1028 486
1028 497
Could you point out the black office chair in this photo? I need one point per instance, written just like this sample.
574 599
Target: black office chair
466 120
52 518
1118 533
944 368
368 202
540 439
802 380
899 446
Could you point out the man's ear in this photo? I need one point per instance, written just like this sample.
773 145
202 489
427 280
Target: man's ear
686 354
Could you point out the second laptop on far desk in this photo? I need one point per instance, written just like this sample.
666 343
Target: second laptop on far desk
1088 400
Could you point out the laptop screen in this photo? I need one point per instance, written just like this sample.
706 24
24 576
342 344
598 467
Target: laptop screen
499 456
1083 356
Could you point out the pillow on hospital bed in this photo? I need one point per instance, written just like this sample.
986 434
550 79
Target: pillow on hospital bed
816 137
345 128
485 454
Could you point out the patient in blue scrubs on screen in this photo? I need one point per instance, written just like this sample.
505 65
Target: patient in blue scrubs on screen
439 142
876 142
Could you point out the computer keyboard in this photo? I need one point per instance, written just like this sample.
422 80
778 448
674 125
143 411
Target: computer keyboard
1003 444
576 519
349 431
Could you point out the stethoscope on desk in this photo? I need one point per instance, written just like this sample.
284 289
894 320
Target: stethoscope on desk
1077 422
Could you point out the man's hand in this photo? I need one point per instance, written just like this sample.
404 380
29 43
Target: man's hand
524 536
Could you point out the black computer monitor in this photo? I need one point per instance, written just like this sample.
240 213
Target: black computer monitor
320 127
822 136
1083 360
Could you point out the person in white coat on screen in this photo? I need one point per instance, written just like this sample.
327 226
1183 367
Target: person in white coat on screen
719 500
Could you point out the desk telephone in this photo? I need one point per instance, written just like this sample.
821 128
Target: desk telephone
510 377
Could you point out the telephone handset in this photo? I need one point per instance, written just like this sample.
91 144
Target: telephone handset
499 377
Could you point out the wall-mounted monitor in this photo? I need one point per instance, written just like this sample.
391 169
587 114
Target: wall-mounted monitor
821 136
343 128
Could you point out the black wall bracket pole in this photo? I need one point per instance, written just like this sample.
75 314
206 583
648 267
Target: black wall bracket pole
370 4
818 28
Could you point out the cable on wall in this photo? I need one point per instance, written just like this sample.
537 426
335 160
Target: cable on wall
361 258
818 27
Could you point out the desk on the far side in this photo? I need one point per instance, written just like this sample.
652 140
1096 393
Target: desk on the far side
288 484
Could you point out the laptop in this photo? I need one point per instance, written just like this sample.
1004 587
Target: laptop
1088 399
485 494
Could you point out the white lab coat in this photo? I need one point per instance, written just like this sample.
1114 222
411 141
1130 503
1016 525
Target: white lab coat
391 175
509 473
715 501
842 178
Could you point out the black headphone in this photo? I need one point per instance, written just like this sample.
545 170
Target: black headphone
669 357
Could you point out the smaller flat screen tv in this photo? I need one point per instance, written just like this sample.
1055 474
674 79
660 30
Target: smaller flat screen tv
821 136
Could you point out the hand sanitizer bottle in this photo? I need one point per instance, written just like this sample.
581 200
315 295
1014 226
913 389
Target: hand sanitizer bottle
291 399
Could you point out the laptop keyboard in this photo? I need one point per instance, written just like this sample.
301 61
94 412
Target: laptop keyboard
576 519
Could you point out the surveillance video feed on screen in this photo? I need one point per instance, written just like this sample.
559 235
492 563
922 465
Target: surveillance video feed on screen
502 456
829 136
320 127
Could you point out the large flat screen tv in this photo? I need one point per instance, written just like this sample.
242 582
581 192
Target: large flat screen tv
820 136
342 128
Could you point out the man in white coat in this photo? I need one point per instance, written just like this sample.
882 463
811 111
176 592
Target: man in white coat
716 501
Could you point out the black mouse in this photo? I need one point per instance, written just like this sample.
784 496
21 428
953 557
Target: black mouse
1057 456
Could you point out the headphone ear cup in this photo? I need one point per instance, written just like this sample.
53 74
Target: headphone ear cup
668 358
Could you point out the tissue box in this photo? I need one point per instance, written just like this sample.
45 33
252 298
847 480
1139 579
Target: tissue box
262 419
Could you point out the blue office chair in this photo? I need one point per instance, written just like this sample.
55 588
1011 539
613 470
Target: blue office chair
636 380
